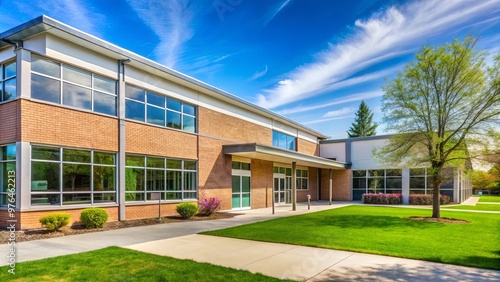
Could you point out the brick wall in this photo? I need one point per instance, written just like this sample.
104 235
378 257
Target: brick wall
307 147
149 211
313 187
262 184
10 126
49 124
341 185
153 140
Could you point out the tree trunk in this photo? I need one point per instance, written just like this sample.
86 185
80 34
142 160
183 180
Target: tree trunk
436 213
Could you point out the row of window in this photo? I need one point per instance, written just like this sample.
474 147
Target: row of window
8 81
302 177
376 181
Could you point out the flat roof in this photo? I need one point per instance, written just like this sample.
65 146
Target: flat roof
46 24
273 154
354 139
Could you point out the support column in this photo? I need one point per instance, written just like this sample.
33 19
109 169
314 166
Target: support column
330 187
405 183
294 186
121 139
23 73
23 175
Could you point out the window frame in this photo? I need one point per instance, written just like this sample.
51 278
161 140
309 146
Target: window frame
4 79
277 142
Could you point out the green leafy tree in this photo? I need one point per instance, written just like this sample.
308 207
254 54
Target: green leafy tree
443 107
363 124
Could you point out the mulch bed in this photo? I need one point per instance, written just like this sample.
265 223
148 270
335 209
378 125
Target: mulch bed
442 219
37 234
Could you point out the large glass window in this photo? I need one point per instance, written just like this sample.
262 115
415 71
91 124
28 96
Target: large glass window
152 108
284 141
8 185
62 84
64 176
302 179
376 181
175 179
8 81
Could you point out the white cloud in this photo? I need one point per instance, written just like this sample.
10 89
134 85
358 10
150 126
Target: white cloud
383 36
340 113
258 74
277 11
324 120
171 22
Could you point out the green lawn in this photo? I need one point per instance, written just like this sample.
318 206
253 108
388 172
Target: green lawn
489 198
386 231
477 207
117 264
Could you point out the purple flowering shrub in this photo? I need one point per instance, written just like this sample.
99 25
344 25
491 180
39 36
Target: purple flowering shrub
385 199
426 199
207 206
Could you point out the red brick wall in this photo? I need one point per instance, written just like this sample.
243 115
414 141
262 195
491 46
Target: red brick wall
262 184
10 124
49 124
341 185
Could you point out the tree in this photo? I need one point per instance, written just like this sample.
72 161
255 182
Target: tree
363 124
443 107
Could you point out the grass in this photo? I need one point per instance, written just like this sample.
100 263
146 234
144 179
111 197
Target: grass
489 198
477 207
386 231
118 264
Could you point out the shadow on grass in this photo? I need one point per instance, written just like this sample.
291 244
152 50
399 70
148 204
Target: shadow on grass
403 272
368 221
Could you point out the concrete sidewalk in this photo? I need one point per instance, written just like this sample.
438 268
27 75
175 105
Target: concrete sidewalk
180 240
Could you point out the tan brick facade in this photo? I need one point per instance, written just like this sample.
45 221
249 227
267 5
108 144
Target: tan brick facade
10 125
341 185
307 147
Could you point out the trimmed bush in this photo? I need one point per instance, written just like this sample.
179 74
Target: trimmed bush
382 199
55 221
426 199
94 217
209 206
187 210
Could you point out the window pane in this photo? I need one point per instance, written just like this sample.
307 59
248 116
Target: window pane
245 184
236 165
76 199
417 171
78 156
104 84
359 183
298 172
76 177
305 172
134 110
393 172
417 182
104 103
45 199
156 100
393 182
376 173
290 143
375 183
358 173
9 92
174 180
189 195
305 184
45 66
245 166
173 196
288 171
104 178
45 177
236 184
190 181
188 109
282 141
134 93
156 116
45 153
104 198
134 179
130 197
10 70
173 120
175 164
190 165
155 162
131 160
77 96
7 172
155 180
188 123
275 139
8 152
77 76
173 105
46 89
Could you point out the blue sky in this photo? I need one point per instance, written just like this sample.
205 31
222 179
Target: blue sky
312 61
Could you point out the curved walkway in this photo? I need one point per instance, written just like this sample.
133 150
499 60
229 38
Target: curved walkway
180 240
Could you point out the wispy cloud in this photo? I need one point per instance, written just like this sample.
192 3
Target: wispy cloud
276 11
383 36
258 74
340 113
171 21
347 99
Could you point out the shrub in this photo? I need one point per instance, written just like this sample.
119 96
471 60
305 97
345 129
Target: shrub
54 221
187 210
209 206
426 199
94 217
384 199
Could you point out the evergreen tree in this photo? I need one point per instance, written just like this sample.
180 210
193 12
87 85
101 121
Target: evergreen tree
363 124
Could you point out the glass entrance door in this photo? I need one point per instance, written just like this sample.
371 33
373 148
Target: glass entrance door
282 189
241 192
